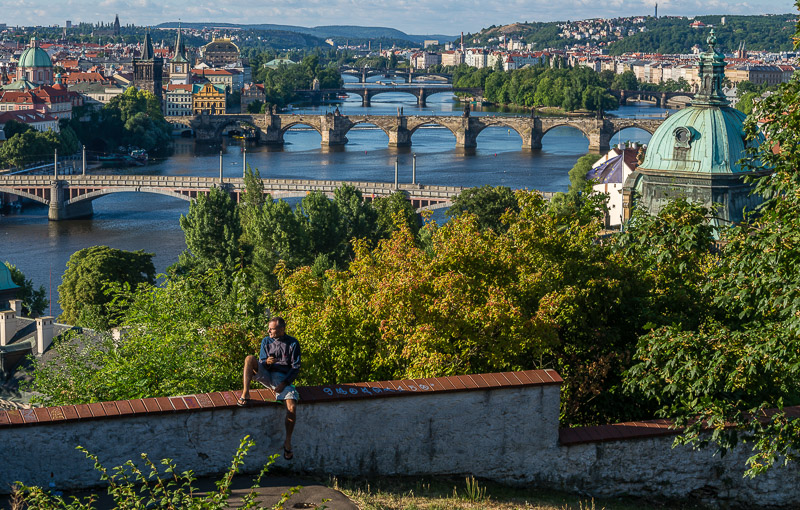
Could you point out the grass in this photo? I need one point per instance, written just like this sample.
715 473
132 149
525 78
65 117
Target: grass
448 493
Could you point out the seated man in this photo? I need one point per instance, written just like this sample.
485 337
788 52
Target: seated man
276 368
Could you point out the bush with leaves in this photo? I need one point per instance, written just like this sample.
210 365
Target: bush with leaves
34 301
133 487
189 335
83 296
542 293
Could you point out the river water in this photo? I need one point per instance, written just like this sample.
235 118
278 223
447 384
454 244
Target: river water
137 221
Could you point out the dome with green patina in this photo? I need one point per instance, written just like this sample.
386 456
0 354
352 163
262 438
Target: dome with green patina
699 139
695 154
6 283
707 137
34 56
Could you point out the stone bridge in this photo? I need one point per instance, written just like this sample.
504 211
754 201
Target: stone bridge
333 128
408 74
659 98
422 93
70 197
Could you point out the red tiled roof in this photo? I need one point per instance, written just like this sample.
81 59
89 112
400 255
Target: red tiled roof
26 117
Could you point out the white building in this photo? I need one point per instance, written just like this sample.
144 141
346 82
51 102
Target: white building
609 174
476 57
177 100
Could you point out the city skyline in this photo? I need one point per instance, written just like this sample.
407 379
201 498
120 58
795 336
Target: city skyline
410 16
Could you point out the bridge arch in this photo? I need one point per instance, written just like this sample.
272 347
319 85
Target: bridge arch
501 124
568 124
24 194
367 123
94 195
236 121
632 125
403 90
303 122
432 121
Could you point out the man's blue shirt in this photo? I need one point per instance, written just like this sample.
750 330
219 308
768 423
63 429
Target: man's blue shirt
286 352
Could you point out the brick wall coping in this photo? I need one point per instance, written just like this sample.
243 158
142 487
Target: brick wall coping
631 430
308 394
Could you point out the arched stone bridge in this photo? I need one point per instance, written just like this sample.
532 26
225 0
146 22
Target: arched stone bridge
333 128
422 93
70 197
659 98
407 74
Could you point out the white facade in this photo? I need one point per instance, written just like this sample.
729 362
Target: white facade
177 101
475 57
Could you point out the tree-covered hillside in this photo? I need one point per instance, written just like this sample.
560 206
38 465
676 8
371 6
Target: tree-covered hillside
675 35
662 35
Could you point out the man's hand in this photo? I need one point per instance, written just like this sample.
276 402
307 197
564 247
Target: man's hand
270 360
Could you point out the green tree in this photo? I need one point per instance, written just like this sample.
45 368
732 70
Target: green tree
212 229
13 127
740 368
625 81
187 335
83 294
29 147
487 203
358 218
390 209
580 192
746 102
34 301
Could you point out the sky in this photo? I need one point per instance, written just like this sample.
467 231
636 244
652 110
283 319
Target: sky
418 17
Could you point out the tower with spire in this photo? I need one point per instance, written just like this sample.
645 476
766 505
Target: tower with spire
116 25
148 70
179 65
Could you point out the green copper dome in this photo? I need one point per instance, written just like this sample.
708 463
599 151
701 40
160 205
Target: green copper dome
5 278
700 139
34 56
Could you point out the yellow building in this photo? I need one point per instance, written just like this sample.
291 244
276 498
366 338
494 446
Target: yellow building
208 98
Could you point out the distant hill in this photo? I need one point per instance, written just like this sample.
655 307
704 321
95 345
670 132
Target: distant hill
322 32
770 32
674 35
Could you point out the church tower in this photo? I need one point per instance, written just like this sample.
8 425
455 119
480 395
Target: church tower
148 70
116 25
179 65
696 153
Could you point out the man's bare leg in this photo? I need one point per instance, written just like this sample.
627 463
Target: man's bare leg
291 417
250 369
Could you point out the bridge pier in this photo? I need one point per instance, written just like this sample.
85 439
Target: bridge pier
59 210
401 137
599 141
366 98
334 130
422 99
466 134
272 134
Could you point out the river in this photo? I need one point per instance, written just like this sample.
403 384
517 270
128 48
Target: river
135 221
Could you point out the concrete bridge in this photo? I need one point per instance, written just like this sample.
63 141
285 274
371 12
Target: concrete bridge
659 98
70 197
408 73
422 93
333 128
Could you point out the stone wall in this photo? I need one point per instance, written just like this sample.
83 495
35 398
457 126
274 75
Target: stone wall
502 427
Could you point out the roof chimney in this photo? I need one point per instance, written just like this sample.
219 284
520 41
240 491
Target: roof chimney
44 334
8 326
